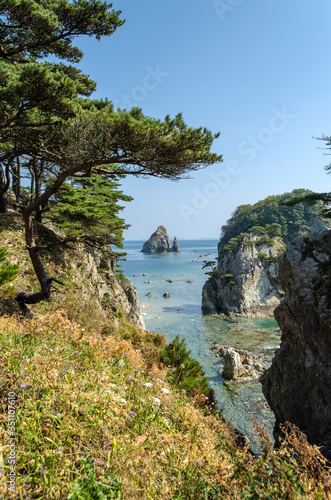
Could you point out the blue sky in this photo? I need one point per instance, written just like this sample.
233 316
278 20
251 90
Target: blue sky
257 71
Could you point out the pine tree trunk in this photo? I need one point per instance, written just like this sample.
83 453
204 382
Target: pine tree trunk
16 169
4 185
44 280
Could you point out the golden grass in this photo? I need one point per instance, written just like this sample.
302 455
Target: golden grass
94 421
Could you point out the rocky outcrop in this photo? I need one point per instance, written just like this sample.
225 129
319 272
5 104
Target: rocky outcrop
175 246
238 364
297 386
159 242
245 282
99 269
94 272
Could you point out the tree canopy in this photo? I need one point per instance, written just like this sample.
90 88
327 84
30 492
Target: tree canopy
273 216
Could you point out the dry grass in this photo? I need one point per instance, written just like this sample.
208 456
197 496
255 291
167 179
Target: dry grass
97 419
94 421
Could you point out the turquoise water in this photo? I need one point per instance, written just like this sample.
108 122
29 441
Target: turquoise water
181 315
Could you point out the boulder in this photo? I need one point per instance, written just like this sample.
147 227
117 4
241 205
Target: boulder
232 368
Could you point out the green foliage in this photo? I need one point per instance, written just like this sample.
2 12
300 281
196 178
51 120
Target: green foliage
186 372
263 256
226 276
258 230
89 207
94 484
34 93
271 217
8 271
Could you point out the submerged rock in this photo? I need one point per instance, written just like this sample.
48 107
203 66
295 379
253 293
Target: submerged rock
297 386
159 242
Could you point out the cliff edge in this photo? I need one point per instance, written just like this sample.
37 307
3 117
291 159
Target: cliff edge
245 281
297 386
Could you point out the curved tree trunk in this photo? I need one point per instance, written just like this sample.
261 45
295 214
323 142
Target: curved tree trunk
43 278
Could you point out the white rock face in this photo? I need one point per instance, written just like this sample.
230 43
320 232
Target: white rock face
100 280
246 282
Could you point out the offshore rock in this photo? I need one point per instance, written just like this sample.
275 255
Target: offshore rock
159 242
245 282
175 246
297 386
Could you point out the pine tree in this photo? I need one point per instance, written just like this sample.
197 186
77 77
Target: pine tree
7 271
187 372
88 209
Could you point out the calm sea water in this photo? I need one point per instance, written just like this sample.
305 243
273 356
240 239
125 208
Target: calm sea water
181 315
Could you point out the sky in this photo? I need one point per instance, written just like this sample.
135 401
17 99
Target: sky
258 71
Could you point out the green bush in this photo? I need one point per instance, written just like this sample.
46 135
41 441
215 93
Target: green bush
186 372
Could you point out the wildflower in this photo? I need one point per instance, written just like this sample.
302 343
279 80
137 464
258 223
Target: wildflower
59 451
156 401
182 366
165 390
133 414
183 391
42 469
97 462
174 369
59 415
23 385
121 363
128 421
148 384
198 463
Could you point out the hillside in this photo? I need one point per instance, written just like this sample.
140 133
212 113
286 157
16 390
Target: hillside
98 415
293 221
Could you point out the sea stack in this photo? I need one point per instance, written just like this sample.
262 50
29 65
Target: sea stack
159 243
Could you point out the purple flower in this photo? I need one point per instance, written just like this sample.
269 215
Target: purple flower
97 462
133 414
23 385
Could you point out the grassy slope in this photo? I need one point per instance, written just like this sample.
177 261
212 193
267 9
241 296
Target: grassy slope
96 417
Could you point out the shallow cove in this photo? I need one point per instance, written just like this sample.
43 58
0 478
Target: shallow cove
181 315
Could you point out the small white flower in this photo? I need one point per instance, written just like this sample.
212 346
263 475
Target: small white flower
165 390
156 401
148 384
121 363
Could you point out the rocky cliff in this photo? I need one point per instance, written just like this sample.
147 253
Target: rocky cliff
298 383
159 242
245 281
89 270
99 270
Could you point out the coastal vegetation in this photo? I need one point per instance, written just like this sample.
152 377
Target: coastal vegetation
104 409
273 217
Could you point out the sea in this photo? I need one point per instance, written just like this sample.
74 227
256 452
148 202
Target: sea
241 403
